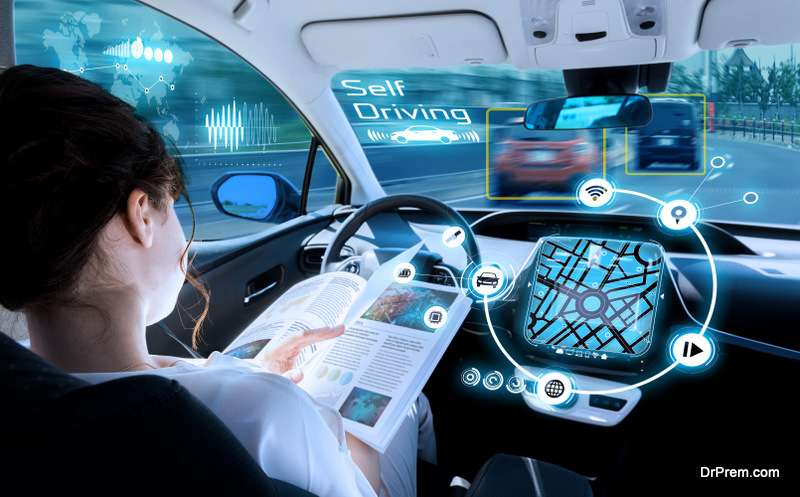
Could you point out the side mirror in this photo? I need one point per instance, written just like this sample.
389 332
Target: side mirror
597 111
258 196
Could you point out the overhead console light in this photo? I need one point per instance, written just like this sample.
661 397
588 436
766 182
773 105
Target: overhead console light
539 20
593 33
645 17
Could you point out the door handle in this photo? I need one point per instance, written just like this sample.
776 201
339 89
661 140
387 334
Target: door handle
255 295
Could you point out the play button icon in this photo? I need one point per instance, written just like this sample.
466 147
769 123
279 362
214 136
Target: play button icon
692 350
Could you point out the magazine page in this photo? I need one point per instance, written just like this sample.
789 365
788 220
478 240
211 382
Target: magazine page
314 303
373 373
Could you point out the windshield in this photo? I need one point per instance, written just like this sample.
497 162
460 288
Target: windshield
724 136
182 82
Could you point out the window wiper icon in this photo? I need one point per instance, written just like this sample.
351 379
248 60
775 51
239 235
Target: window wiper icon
453 237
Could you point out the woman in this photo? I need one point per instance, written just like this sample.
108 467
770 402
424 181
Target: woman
97 254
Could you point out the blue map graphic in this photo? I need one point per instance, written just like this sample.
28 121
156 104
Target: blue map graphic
598 295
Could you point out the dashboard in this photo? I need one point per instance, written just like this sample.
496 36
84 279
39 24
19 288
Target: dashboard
661 294
520 225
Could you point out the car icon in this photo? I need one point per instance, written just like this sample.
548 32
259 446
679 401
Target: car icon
424 133
487 278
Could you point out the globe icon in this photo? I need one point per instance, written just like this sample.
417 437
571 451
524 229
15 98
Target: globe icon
554 388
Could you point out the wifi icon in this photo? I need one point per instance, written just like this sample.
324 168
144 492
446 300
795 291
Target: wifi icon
595 191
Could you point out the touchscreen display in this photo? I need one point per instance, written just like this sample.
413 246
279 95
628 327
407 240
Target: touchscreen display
593 297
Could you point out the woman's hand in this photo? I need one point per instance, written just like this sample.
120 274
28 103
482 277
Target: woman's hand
280 355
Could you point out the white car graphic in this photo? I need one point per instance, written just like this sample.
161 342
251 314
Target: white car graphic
424 133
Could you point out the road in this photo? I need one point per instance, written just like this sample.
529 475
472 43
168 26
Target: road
455 173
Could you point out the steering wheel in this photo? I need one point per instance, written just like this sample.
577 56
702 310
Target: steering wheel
367 262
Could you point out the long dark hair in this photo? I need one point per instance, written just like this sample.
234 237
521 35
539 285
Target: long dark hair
70 155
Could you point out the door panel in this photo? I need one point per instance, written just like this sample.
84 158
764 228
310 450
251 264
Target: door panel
279 255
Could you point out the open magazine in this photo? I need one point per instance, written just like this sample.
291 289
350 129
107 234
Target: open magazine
395 334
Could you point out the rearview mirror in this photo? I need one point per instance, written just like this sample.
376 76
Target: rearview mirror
258 196
596 111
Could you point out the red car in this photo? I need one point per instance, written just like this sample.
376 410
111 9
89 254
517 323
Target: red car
529 160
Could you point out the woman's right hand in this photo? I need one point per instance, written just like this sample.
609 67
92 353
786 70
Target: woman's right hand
280 355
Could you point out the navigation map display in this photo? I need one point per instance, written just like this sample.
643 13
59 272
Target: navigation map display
594 298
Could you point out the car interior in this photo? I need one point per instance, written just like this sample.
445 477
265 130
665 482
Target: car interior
658 299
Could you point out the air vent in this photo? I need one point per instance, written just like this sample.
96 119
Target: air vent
312 259
587 3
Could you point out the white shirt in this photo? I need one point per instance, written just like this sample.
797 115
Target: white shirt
292 437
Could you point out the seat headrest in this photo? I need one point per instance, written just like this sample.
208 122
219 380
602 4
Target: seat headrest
29 383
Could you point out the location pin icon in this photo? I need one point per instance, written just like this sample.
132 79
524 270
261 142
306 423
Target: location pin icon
678 213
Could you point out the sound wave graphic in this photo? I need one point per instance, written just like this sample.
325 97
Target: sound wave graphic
254 126
470 136
259 126
377 136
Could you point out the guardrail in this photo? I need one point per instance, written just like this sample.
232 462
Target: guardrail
753 128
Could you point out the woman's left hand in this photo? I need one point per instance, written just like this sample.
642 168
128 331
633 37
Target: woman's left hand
280 355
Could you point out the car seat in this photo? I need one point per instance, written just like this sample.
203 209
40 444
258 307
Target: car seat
147 434
139 435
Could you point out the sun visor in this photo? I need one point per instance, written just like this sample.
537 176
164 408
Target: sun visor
741 23
416 41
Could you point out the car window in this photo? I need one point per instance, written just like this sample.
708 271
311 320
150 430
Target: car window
671 115
522 134
220 113
725 134
322 186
